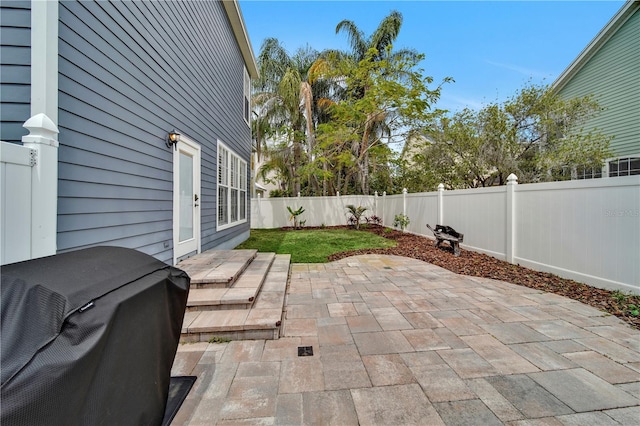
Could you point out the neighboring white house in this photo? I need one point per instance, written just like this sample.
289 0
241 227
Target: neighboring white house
262 187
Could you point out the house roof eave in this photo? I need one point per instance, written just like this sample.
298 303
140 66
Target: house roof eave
625 12
242 37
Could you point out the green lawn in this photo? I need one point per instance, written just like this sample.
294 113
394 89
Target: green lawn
312 246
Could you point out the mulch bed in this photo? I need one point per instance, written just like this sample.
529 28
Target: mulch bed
481 265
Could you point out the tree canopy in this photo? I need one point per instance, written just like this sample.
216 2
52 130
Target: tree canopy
334 120
535 134
331 116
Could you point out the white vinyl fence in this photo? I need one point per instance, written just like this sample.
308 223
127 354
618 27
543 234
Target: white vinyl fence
586 230
15 199
318 211
28 193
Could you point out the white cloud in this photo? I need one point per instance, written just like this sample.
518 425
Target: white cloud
522 70
456 103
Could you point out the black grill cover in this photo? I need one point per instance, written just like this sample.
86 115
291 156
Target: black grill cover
89 337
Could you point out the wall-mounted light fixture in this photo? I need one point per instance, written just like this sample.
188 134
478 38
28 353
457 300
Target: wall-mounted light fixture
173 138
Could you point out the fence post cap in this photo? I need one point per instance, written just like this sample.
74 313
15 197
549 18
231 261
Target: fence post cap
512 179
404 190
41 129
41 121
441 187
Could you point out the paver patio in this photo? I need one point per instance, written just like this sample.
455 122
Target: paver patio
399 341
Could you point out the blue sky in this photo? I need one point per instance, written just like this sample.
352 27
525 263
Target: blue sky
491 49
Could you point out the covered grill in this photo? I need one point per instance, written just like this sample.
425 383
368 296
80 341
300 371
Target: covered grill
89 337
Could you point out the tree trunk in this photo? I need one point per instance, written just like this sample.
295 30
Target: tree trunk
324 178
363 161
296 167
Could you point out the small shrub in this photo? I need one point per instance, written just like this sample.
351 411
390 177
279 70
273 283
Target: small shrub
216 339
374 220
622 299
388 230
401 221
619 296
356 215
294 215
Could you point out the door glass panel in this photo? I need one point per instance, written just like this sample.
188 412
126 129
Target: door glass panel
186 197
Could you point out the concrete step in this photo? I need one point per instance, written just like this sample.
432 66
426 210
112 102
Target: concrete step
243 293
216 268
261 321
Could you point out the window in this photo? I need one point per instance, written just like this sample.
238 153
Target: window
576 172
624 167
223 185
588 172
232 188
247 97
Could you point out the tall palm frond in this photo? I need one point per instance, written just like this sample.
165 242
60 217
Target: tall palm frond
355 36
273 62
260 130
304 58
289 91
387 32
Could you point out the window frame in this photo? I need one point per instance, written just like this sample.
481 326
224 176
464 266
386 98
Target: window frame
231 182
246 97
627 171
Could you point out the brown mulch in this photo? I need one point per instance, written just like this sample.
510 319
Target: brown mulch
481 265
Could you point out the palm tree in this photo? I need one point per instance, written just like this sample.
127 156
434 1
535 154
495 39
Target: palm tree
381 39
260 131
356 214
278 168
376 48
285 97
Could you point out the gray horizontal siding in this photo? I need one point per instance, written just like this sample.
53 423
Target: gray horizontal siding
130 72
90 191
151 241
13 117
16 36
12 13
147 243
108 220
16 55
81 173
110 142
15 69
15 74
79 206
612 77
14 93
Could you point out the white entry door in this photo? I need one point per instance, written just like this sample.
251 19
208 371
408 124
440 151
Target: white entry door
186 198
